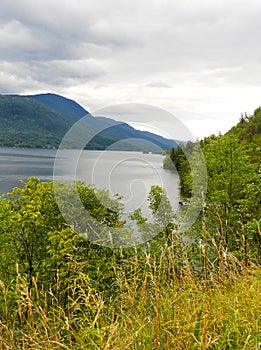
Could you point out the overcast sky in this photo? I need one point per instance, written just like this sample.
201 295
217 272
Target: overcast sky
199 60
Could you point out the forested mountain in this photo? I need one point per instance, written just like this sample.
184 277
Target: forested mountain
25 122
113 130
61 104
42 121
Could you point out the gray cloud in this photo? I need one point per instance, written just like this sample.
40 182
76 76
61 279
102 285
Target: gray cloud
159 84
66 72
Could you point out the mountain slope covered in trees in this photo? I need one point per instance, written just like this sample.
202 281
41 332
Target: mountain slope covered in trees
42 121
25 122
248 132
61 104
248 128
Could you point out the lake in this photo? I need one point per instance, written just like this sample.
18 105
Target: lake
129 174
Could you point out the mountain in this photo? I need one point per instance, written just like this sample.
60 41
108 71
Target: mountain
114 130
61 104
42 120
25 122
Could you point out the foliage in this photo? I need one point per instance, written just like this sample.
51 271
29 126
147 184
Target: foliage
233 186
30 214
249 128
248 132
60 291
177 159
161 208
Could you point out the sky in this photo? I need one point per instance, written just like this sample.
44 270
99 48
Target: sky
198 60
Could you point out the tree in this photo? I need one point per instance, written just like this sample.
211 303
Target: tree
30 213
161 208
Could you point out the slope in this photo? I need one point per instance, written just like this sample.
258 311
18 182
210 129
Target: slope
61 104
25 122
43 120
109 130
249 128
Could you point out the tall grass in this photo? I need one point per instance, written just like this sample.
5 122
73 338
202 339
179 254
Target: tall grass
160 301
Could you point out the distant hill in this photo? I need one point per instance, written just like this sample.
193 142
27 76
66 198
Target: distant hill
114 130
42 120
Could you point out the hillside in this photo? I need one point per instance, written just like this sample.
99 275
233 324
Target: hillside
61 104
248 128
42 121
248 132
25 122
113 130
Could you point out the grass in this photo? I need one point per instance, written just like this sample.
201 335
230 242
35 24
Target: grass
154 308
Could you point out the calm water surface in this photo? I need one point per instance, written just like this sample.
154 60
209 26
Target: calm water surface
129 174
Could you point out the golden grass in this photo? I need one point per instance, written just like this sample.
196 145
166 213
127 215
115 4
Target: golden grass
152 310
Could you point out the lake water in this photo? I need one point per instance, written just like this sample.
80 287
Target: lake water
129 174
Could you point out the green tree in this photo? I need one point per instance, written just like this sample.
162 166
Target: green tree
161 208
24 231
29 213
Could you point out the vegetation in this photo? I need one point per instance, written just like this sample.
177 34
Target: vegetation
151 307
177 159
41 121
28 123
199 290
60 291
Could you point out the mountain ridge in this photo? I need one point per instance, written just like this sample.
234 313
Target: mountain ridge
112 127
61 104
42 120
